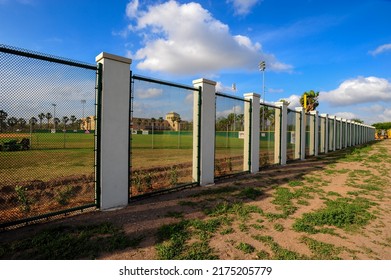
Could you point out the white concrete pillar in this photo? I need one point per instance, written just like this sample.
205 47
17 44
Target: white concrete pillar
207 130
300 133
349 133
251 132
314 133
114 167
280 139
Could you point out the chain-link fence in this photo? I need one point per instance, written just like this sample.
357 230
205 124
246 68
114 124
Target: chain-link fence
293 149
47 125
322 135
267 134
229 139
161 136
331 134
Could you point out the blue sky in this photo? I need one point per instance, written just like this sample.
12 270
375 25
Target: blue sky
340 48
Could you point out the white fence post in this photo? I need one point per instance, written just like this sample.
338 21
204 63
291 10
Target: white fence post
114 169
280 138
251 132
207 130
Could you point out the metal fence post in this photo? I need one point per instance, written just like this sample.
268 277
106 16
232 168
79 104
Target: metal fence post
314 134
114 130
251 132
207 130
300 133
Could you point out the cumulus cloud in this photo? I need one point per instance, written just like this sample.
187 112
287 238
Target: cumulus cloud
294 101
357 91
243 7
149 93
381 49
347 115
186 39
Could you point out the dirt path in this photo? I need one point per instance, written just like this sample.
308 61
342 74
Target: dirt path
336 206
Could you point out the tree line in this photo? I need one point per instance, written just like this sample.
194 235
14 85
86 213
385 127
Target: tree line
8 123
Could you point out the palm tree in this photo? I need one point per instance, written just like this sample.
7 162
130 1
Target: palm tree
22 122
12 122
32 122
65 119
56 122
88 120
3 117
312 100
41 116
73 119
48 116
160 120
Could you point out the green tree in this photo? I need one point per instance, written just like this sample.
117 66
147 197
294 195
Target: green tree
41 116
32 122
65 119
312 100
48 116
3 117
73 120
12 122
358 120
22 122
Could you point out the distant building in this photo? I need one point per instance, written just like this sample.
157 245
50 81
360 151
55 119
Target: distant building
87 123
172 122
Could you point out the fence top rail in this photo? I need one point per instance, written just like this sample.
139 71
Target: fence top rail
171 84
269 105
46 57
293 111
231 96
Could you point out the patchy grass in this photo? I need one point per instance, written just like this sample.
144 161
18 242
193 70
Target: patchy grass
245 248
70 243
344 213
279 252
174 239
321 250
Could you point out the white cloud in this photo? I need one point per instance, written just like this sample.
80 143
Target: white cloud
294 101
243 7
357 91
346 115
275 90
185 39
234 110
131 8
149 93
381 49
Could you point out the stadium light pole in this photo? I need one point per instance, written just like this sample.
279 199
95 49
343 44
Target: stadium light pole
83 102
262 67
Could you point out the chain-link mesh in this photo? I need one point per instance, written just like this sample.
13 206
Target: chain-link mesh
293 137
267 134
47 123
229 139
331 134
161 136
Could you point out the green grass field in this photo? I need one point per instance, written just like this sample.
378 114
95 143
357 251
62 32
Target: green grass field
65 154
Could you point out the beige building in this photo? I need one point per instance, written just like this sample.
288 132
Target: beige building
88 123
172 121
